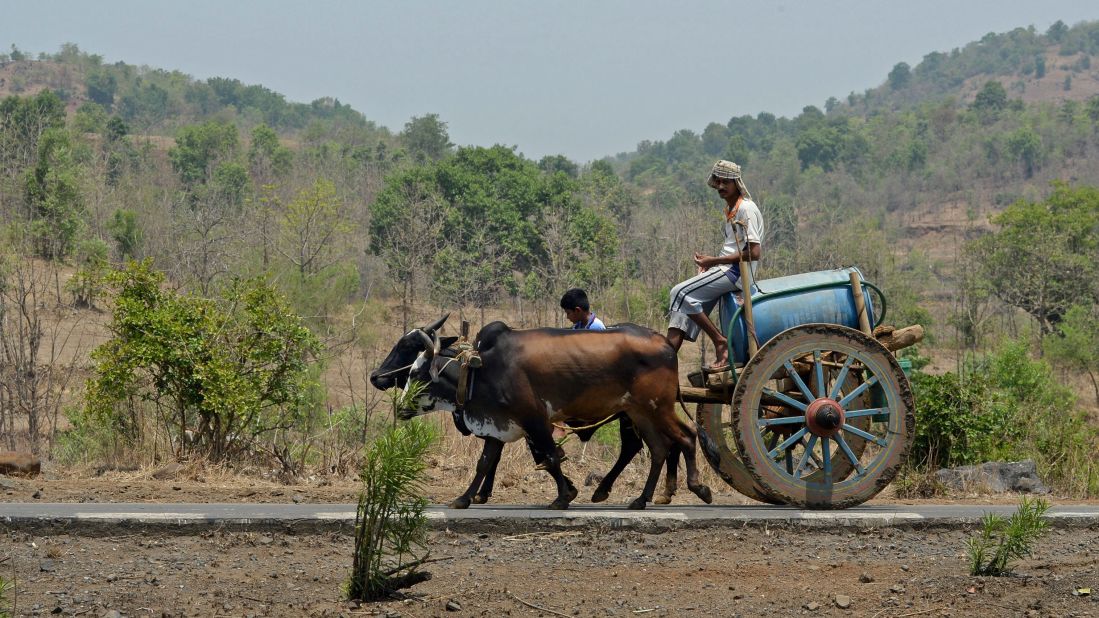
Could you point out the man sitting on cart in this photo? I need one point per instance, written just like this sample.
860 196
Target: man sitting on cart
693 299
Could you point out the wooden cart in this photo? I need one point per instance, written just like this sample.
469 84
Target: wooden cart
821 414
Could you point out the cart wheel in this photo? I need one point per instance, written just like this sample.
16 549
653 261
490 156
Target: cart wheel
800 440
715 436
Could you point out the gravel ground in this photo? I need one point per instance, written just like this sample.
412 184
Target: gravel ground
753 571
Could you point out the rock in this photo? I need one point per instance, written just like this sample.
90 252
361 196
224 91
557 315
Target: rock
843 601
812 606
265 540
7 483
593 478
866 578
904 567
47 566
453 606
16 463
113 613
297 498
995 477
897 589
37 495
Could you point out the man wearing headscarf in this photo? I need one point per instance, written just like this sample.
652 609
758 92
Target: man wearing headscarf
693 299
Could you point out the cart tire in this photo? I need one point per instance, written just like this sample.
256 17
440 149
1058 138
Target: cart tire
818 422
719 447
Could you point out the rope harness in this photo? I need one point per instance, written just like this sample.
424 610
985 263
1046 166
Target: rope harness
468 359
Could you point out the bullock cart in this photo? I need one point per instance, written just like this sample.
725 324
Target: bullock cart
816 411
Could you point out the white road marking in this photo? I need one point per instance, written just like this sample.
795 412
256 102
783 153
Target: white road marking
153 516
851 515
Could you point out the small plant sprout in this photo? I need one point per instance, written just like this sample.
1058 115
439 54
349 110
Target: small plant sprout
390 525
1002 541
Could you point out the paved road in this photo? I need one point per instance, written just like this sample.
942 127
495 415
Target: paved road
104 517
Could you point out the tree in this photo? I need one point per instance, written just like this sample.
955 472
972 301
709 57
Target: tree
1092 109
1057 31
146 105
715 139
406 230
200 149
54 197
1039 66
1025 145
551 164
1077 343
34 380
126 232
900 76
310 226
991 99
101 86
267 157
23 120
1043 258
426 138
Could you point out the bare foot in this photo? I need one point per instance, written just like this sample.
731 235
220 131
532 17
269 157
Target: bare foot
721 348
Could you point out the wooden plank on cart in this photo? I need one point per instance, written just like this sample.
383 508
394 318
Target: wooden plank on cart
698 394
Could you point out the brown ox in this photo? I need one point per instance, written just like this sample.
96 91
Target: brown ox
530 379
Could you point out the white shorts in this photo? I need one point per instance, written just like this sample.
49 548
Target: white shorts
698 294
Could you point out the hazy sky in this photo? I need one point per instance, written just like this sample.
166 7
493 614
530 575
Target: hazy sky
581 78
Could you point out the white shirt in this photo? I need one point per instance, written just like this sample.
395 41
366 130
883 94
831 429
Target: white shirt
748 213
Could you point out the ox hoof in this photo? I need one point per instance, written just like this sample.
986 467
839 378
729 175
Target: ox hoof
558 505
637 504
703 492
479 499
662 500
572 492
461 502
600 495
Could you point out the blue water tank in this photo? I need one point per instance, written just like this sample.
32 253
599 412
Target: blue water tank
784 302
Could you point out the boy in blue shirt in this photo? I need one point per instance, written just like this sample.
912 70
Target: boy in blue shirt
578 311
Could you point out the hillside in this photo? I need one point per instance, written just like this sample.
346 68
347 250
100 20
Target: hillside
1051 67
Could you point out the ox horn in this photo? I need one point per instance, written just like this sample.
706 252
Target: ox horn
434 354
430 344
437 325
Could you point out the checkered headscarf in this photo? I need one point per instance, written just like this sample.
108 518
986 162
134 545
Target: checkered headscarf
728 170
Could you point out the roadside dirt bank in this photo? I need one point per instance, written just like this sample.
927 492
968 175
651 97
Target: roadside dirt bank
749 572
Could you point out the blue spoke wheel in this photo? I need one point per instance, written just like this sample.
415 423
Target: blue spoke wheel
823 417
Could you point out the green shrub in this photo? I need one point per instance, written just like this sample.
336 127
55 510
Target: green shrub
390 526
1003 541
957 421
1005 406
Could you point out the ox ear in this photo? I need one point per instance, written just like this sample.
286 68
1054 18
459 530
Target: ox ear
437 325
446 342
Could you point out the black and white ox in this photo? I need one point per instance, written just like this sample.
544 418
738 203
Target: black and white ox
530 379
